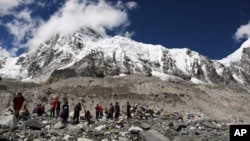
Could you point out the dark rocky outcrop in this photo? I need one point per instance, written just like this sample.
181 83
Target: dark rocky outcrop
62 74
2 87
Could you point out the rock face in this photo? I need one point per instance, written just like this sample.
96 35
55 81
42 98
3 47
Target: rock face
88 53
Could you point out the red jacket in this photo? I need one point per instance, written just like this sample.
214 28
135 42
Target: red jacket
53 104
18 102
98 108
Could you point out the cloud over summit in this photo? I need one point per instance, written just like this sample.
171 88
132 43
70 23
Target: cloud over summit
30 29
242 32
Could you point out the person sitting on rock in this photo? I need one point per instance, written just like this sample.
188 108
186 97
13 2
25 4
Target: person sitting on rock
144 108
134 108
24 113
39 110
88 116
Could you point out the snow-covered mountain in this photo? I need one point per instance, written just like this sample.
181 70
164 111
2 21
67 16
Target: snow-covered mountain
88 53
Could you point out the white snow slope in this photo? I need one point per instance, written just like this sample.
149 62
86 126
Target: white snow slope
64 51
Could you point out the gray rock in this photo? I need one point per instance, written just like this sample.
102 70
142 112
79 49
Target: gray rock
187 138
153 135
171 124
145 126
58 125
134 130
9 121
210 125
34 124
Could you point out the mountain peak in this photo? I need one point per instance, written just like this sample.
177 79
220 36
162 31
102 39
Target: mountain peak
89 53
235 56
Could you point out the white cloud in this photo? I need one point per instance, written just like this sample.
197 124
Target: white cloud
131 5
128 34
28 30
75 14
22 26
242 32
7 5
8 53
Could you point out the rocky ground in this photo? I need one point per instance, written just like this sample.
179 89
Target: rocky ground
183 111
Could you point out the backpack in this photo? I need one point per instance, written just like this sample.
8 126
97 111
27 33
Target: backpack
58 105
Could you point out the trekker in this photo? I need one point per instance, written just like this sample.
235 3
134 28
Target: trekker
128 110
53 107
117 111
39 110
77 110
111 111
58 108
24 113
97 112
101 112
65 113
88 116
18 103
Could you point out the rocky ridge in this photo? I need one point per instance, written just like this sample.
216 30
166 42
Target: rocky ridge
88 53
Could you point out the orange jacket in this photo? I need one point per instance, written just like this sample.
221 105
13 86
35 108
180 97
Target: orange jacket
54 103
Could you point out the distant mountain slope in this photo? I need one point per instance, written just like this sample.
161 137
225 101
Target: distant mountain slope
88 53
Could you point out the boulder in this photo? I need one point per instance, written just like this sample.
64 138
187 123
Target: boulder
9 121
99 128
153 135
134 129
145 126
34 124
58 125
84 139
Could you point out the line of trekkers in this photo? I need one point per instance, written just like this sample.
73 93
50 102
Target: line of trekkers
112 112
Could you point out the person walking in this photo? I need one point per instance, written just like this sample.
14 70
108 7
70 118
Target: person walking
77 110
117 111
17 104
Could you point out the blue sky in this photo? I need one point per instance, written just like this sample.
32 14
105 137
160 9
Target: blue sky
214 28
